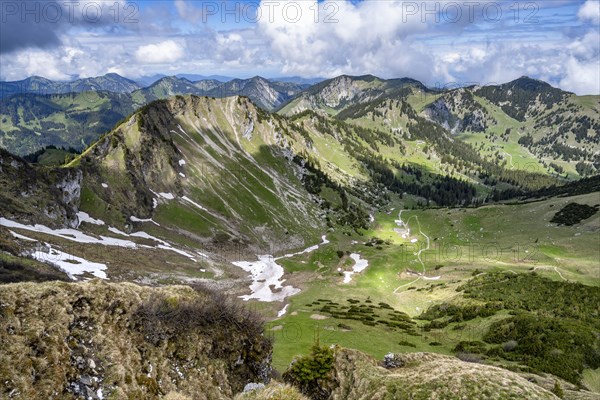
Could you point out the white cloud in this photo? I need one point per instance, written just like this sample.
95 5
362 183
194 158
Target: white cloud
590 11
333 38
160 53
41 63
187 12
582 77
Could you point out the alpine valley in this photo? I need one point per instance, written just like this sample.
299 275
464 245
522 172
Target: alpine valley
349 238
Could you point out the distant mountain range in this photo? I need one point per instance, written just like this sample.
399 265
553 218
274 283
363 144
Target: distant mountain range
113 82
523 124
265 93
38 85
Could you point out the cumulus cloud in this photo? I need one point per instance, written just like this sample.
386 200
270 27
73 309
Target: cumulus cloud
76 58
164 52
327 39
582 67
41 63
582 77
590 11
575 68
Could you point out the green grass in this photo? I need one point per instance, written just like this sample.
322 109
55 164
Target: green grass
515 238
184 217
591 379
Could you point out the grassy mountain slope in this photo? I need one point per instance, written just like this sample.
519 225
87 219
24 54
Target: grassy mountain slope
525 124
445 248
225 171
29 122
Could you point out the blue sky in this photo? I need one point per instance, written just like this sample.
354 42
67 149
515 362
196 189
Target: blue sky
438 42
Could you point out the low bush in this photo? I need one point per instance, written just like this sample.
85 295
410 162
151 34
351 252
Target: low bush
311 373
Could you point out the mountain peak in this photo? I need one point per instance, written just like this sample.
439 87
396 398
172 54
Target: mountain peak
114 75
171 79
527 83
366 78
37 78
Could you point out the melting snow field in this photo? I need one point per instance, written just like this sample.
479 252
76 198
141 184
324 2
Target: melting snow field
73 265
136 219
359 266
70 264
68 234
168 196
266 275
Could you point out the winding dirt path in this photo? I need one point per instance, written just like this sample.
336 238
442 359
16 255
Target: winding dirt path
404 224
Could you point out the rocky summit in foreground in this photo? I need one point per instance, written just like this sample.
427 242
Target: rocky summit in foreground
121 341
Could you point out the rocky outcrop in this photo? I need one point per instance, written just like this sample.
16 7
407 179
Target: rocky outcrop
357 376
97 340
38 195
457 111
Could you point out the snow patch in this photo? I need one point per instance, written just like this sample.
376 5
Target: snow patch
139 234
267 275
85 217
194 203
282 312
69 263
144 235
359 266
68 234
136 219
168 196
183 253
18 236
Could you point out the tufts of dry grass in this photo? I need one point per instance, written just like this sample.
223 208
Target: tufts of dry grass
427 376
67 340
273 391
